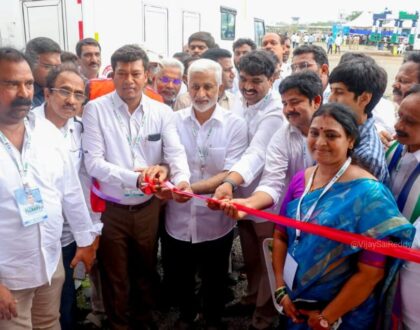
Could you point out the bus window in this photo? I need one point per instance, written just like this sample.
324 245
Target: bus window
259 30
227 26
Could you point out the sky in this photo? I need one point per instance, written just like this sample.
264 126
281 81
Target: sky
325 10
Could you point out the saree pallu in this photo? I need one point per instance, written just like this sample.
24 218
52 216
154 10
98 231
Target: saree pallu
362 206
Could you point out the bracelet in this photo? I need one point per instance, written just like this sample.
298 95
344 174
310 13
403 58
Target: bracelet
232 183
280 293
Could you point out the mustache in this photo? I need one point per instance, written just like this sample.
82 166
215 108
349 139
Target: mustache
396 91
21 102
293 113
401 133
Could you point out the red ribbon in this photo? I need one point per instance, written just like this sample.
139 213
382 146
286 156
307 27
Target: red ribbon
357 240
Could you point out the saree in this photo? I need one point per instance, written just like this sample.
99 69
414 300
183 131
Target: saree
362 206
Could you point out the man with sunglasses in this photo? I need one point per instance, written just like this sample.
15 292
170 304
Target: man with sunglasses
43 55
64 98
168 81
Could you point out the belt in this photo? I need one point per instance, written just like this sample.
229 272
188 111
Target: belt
131 208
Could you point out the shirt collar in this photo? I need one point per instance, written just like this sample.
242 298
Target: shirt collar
366 126
260 104
119 103
216 115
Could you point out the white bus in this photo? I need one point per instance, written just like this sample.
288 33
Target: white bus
160 25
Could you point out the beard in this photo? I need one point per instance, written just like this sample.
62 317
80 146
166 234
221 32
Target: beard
203 107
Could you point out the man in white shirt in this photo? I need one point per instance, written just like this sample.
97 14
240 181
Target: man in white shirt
403 159
64 97
127 135
214 139
313 58
274 43
261 108
38 185
240 47
88 52
407 76
287 152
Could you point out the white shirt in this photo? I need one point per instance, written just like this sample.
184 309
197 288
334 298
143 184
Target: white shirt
326 94
108 155
384 115
224 136
287 153
29 255
72 132
264 119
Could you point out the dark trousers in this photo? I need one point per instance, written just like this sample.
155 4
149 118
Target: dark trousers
211 260
68 295
127 262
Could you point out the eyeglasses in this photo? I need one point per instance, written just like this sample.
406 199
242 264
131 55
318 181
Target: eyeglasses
167 80
300 66
48 66
64 93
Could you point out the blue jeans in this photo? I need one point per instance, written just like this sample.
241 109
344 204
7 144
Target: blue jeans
68 295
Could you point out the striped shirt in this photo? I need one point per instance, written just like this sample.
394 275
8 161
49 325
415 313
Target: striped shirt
370 151
405 180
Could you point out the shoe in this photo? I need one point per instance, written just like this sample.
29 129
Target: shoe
239 309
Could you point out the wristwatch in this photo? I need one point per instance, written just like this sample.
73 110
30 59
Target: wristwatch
232 183
323 322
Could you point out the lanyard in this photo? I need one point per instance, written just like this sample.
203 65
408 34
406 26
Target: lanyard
131 142
21 164
308 187
203 151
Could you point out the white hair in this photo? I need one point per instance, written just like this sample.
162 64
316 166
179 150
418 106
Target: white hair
173 63
204 65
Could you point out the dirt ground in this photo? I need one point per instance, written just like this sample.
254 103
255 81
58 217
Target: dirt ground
385 59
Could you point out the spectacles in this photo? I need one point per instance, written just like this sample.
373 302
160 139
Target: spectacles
300 66
48 66
64 93
167 80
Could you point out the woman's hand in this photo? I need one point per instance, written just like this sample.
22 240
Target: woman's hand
290 310
315 320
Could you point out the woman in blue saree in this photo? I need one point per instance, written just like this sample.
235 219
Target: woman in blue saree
323 284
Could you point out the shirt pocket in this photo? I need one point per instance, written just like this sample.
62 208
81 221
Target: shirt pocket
215 161
152 148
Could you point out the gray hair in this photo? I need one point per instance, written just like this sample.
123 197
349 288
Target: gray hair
173 63
204 65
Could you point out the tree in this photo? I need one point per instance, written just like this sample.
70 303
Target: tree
354 14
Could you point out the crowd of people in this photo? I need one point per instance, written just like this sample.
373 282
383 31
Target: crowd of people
86 160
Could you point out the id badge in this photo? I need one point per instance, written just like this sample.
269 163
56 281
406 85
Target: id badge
31 206
133 193
289 271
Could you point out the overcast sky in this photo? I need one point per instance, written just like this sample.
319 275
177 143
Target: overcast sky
324 10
